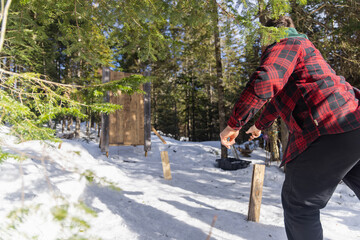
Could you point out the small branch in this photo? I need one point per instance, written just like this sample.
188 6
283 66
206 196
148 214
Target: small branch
318 9
347 59
223 10
226 12
133 18
342 5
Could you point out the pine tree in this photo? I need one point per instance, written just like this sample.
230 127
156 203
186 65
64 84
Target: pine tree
52 52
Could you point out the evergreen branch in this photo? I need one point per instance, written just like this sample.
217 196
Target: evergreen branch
41 80
97 107
225 11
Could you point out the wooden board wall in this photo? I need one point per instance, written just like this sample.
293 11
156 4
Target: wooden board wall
126 125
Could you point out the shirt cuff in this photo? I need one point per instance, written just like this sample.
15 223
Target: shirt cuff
234 123
259 126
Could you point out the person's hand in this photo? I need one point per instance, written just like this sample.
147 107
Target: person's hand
227 136
255 133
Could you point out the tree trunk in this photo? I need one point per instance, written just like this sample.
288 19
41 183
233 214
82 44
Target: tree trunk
69 123
4 15
177 133
50 123
219 75
273 140
273 131
78 120
154 109
88 126
208 113
193 133
94 124
99 129
77 127
284 135
63 124
187 116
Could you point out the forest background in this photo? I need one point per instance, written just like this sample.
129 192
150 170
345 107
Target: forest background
199 55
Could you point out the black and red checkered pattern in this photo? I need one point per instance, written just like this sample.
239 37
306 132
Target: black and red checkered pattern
304 91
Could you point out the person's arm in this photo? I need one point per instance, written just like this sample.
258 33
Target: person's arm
357 93
277 64
268 116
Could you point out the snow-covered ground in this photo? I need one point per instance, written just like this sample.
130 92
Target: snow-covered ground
148 207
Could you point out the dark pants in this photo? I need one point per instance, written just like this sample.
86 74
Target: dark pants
311 179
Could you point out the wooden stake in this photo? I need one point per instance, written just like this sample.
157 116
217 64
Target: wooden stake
166 165
256 192
157 134
212 226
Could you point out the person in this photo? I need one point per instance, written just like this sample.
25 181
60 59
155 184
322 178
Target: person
322 113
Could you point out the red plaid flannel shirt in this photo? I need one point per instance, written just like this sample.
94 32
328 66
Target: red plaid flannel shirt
304 91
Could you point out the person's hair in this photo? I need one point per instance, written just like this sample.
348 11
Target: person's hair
282 21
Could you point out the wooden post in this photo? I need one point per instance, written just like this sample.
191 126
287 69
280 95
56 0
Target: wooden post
157 134
166 165
256 192
104 141
147 118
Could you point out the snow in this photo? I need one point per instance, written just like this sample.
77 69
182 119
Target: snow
148 206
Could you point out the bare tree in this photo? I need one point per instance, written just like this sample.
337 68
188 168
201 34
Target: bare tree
3 21
219 75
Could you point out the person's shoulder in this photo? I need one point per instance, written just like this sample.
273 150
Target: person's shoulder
293 41
286 42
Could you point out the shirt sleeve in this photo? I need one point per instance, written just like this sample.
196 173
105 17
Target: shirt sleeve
357 93
268 116
277 64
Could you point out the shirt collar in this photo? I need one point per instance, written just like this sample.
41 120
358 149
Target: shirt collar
291 32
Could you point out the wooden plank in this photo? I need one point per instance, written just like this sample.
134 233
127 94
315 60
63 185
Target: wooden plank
105 117
116 119
116 122
140 124
140 118
133 119
112 122
120 119
256 192
127 125
147 117
166 165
